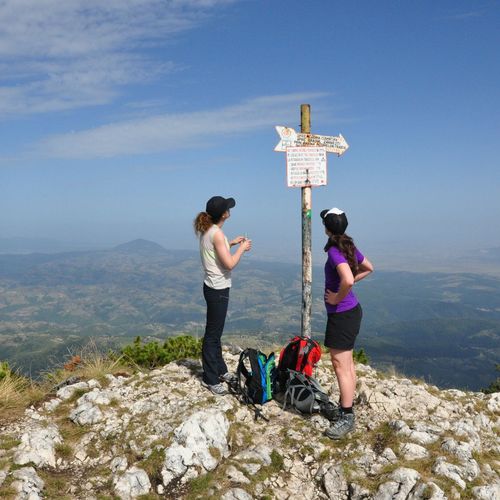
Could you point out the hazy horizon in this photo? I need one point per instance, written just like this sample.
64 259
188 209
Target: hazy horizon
413 259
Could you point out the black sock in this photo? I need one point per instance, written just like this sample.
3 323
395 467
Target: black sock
346 410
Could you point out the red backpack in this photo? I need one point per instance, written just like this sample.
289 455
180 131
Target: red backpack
300 354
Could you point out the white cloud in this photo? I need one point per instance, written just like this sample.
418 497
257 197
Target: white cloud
173 131
61 54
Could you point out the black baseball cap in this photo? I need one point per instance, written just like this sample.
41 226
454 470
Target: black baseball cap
335 220
217 205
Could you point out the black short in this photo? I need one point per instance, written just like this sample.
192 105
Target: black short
342 328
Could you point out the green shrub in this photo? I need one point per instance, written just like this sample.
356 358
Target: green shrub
493 387
4 370
360 356
153 354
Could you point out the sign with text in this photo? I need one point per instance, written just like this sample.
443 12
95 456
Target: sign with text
290 138
305 166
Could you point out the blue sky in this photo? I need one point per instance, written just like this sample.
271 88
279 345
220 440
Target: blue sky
119 119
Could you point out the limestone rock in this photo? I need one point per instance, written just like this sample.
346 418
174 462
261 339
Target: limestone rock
491 492
118 464
236 476
399 486
236 494
412 451
429 491
133 483
86 414
27 484
195 439
38 446
451 471
494 403
98 397
67 391
51 405
335 483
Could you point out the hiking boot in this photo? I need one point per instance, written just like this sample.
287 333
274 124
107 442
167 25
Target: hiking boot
229 378
217 389
331 411
341 427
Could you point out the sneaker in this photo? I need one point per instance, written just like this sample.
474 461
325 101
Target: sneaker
341 427
230 378
217 389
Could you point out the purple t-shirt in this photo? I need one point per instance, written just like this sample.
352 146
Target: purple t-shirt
332 280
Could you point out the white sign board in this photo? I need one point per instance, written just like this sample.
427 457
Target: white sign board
290 138
305 166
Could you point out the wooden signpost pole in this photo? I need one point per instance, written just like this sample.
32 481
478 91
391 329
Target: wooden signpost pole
306 167
306 192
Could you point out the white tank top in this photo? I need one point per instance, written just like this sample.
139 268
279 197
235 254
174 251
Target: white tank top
216 275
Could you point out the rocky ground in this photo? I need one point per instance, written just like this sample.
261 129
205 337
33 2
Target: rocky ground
160 434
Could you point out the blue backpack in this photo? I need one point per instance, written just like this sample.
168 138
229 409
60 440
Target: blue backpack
256 375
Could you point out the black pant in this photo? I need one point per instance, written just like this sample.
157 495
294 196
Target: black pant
211 354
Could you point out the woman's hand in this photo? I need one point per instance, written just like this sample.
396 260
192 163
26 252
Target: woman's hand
236 241
246 244
331 297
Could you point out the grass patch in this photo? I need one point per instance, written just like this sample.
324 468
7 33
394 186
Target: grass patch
92 451
199 486
7 491
215 452
266 471
64 450
16 394
8 442
96 365
71 432
325 456
153 465
180 392
384 437
208 486
277 462
57 484
306 450
239 437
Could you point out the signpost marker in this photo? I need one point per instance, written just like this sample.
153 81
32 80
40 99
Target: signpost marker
306 167
306 191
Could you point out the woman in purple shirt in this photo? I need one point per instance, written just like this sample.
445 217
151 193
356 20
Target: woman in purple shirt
345 266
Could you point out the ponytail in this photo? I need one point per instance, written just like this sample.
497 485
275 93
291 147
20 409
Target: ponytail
345 245
202 223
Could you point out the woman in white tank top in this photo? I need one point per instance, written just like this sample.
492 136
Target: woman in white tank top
217 262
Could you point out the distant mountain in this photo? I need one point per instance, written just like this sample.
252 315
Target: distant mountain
441 326
140 246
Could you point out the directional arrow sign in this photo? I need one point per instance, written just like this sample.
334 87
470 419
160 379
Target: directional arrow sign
290 138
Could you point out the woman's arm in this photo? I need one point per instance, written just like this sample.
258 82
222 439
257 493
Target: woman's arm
229 261
364 269
236 241
346 283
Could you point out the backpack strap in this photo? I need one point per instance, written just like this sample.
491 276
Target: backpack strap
307 345
241 389
242 373
294 392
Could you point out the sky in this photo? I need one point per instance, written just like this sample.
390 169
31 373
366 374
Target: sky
119 119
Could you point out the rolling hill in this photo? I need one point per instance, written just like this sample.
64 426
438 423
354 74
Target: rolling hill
441 326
